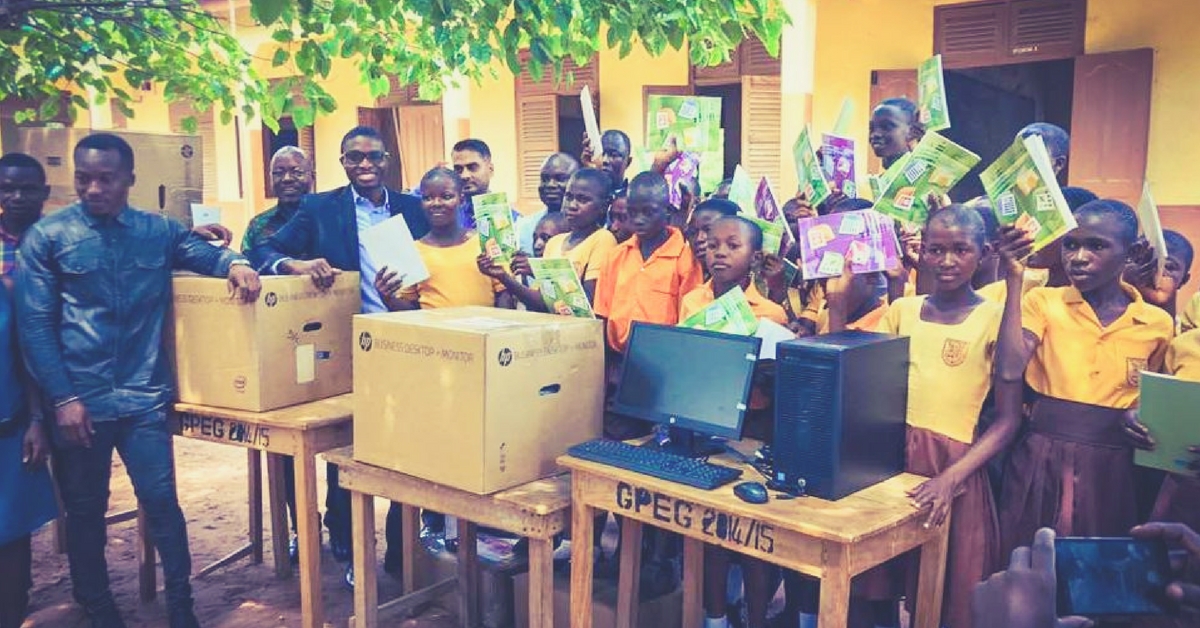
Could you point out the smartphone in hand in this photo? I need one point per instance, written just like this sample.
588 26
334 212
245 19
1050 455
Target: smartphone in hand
1115 576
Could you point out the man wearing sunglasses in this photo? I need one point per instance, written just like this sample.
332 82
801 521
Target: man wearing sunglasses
321 241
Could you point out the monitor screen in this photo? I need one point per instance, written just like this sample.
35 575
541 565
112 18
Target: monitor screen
698 380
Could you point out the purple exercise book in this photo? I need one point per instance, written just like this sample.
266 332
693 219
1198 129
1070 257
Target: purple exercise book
865 237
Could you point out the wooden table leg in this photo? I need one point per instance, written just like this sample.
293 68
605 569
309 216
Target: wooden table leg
629 582
147 574
693 581
280 533
541 583
468 574
835 599
932 578
255 516
582 557
366 600
311 608
410 522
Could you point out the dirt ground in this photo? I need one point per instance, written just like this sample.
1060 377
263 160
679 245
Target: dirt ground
212 491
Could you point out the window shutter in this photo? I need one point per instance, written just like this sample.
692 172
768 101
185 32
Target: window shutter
762 113
206 129
537 139
1015 31
422 144
971 35
756 61
729 72
1046 29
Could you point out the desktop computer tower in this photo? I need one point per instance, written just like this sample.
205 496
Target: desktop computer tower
840 404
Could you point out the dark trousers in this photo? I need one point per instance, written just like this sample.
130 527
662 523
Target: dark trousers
83 477
337 515
16 558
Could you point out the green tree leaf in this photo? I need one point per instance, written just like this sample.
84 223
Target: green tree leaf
267 11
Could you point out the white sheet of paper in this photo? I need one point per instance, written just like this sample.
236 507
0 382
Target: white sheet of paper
205 215
390 243
589 121
772 334
1147 213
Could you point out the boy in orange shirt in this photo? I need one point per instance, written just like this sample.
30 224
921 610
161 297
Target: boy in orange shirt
652 270
733 250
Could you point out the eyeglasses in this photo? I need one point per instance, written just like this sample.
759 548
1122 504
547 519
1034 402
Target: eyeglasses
353 157
295 173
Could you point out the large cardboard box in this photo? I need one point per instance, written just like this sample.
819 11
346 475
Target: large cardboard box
478 398
289 347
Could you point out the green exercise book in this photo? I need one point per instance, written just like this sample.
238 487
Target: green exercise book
931 99
933 167
1024 192
878 183
808 170
694 121
741 191
772 234
562 292
730 313
494 222
1167 406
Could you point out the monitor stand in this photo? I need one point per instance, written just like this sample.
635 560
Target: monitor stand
688 443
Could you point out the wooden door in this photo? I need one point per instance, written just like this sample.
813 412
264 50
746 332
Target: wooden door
888 84
422 141
762 113
1110 123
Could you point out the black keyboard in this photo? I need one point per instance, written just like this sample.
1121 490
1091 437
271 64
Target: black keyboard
656 463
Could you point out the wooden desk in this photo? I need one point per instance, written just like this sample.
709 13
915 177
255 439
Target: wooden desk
301 431
537 511
833 541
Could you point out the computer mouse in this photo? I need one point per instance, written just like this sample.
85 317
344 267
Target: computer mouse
751 492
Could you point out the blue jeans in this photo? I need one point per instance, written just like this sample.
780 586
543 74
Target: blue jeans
83 477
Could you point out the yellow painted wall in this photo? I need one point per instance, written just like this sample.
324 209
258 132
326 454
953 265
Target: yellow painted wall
622 80
855 37
493 118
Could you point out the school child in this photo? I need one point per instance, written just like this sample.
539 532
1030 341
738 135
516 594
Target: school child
696 232
1085 345
1043 269
895 128
734 250
550 225
856 302
587 243
645 280
618 216
1156 289
450 252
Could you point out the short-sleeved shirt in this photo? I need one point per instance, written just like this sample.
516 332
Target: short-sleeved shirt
588 257
867 322
950 366
1183 356
1189 317
454 278
632 288
1079 360
997 291
703 296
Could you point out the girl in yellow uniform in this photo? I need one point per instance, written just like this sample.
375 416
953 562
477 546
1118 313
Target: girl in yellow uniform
450 252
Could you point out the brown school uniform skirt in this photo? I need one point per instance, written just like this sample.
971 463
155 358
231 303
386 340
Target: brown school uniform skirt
1072 472
974 533
1178 501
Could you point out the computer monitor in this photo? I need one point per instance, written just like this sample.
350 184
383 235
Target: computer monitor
690 380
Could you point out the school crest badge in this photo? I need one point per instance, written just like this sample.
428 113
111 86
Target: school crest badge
954 352
1133 371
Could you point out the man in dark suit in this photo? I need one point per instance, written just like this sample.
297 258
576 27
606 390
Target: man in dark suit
321 241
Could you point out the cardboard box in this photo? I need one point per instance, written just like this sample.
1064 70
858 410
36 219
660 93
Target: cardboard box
480 399
665 611
289 347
